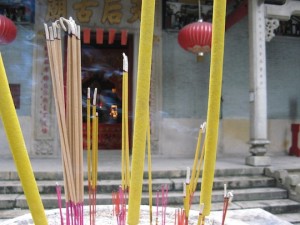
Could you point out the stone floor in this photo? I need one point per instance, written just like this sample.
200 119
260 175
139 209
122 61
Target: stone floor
111 161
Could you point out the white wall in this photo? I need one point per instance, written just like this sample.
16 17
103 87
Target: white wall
185 88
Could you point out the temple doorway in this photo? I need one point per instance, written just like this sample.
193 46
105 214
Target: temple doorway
102 68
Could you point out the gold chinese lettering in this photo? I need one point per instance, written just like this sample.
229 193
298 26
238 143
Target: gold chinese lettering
135 11
112 12
56 9
84 14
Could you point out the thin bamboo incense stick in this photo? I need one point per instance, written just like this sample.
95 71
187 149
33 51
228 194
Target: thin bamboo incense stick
79 92
196 159
94 140
201 218
214 97
75 114
123 163
125 128
58 53
200 162
199 166
94 156
127 160
149 170
18 149
142 107
97 147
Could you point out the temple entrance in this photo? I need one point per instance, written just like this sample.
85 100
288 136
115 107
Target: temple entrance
102 68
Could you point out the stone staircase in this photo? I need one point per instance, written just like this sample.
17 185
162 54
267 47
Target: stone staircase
251 188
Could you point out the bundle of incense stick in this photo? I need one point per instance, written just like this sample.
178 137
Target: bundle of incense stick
180 217
69 111
125 164
119 206
190 184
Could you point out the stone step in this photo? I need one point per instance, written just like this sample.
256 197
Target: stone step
174 184
9 201
108 175
293 218
274 206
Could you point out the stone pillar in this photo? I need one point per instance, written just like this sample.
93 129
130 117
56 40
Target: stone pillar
156 80
258 89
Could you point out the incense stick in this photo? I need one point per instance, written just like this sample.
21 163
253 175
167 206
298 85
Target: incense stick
196 159
125 129
149 171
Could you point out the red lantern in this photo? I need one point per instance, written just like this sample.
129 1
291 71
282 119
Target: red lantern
8 30
196 37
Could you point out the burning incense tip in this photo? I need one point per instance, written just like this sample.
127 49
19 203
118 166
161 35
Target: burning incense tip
125 62
201 208
51 33
88 93
203 127
225 190
78 31
46 32
95 96
230 196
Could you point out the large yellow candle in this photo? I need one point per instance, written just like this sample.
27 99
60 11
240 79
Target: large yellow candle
18 149
214 97
141 110
88 135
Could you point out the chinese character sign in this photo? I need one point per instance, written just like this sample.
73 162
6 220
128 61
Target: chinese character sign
112 12
135 11
84 11
56 9
105 12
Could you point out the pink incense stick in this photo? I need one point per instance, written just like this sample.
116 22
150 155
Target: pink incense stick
225 206
58 192
164 202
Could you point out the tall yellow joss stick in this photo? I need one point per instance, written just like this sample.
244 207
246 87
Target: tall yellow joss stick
88 132
124 125
94 141
214 97
127 162
196 160
123 133
18 148
141 111
199 165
